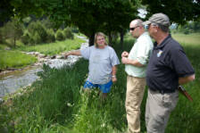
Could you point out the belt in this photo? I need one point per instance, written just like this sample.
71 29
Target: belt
162 91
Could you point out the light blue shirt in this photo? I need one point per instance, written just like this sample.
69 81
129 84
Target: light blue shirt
141 52
101 62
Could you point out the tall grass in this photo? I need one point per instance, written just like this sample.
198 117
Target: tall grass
56 104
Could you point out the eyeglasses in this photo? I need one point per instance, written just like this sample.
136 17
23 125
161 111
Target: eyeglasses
148 26
133 28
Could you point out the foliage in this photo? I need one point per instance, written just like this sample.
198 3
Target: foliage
89 16
50 36
26 37
178 11
12 30
38 32
15 59
60 35
189 27
68 33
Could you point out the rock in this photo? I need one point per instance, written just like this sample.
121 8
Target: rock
7 48
36 53
41 56
53 57
58 57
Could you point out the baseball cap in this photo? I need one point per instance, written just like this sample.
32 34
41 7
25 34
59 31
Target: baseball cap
158 18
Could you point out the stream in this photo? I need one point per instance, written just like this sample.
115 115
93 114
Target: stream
12 81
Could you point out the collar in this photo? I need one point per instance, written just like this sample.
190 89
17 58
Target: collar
163 43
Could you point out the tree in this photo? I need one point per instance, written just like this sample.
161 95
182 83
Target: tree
89 16
13 30
179 11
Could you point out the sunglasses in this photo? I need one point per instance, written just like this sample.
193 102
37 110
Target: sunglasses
133 28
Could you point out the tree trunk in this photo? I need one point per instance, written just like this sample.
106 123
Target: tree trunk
14 42
91 39
122 39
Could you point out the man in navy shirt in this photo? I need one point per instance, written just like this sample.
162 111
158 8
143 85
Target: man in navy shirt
168 68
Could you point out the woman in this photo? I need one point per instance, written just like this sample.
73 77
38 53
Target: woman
102 64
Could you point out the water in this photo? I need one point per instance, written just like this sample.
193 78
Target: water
9 83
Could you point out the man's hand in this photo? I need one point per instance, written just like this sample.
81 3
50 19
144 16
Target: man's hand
125 60
124 54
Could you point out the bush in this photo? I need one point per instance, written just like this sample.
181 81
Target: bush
59 35
26 38
68 33
74 30
38 28
36 38
50 36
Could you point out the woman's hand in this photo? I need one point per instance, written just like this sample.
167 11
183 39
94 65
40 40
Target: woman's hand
66 55
114 79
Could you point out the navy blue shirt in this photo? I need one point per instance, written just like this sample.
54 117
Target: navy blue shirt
167 63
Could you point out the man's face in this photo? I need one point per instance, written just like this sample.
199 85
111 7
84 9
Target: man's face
152 28
134 30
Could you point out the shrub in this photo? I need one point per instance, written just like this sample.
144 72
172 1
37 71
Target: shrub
36 38
37 27
59 35
26 38
50 36
68 33
74 30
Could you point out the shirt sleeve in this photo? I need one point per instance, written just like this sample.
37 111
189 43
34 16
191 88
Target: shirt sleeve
86 52
180 63
113 58
143 52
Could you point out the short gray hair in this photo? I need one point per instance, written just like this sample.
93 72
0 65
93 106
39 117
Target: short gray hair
139 22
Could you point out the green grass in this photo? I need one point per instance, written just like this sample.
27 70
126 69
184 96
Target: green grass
15 59
56 47
189 39
55 104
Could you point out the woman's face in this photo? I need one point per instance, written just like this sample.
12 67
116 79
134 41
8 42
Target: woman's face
100 41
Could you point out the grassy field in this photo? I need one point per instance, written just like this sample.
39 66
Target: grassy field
57 104
15 59
55 48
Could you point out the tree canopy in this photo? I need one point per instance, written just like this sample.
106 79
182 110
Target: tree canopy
179 11
91 16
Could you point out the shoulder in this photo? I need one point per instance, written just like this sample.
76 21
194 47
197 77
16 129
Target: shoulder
174 46
145 39
110 48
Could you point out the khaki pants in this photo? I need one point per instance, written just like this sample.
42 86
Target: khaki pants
134 96
158 109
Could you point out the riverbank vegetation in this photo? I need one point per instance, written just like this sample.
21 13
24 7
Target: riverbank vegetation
14 58
56 104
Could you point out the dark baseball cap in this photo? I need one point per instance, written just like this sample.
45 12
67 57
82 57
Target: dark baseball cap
158 18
